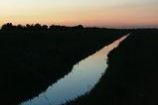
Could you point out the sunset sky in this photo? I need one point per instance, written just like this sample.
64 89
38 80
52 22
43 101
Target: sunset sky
103 13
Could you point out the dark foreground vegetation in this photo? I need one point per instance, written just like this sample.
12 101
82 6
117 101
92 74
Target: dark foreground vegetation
33 56
132 76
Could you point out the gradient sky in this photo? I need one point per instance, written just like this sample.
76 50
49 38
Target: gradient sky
104 13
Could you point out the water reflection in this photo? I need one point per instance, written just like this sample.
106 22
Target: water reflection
81 80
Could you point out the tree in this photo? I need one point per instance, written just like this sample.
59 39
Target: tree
44 27
7 26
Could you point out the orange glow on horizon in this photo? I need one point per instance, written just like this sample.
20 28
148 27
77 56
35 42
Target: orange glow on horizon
110 13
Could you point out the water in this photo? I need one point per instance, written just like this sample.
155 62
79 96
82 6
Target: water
80 81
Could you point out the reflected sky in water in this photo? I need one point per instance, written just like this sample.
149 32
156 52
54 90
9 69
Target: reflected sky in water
80 81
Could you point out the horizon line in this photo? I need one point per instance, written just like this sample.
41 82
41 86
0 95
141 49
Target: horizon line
91 26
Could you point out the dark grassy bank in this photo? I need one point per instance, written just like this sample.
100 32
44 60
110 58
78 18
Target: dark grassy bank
132 76
33 57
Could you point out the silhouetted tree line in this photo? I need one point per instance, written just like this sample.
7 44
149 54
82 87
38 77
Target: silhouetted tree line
10 26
